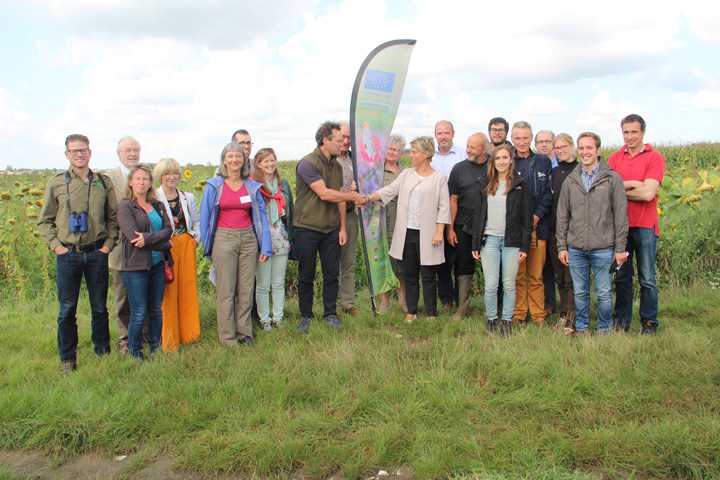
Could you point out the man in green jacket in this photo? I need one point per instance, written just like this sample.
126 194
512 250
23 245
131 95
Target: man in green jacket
78 221
319 222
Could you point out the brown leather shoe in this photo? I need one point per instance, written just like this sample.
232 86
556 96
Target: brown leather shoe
549 311
518 321
446 307
124 349
351 311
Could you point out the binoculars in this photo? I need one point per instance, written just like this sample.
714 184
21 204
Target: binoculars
78 222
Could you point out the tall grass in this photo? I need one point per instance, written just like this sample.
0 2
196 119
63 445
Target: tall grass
440 399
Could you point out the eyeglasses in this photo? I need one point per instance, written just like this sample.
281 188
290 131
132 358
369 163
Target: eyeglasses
560 148
497 130
393 149
543 142
130 150
75 151
264 150
245 143
171 174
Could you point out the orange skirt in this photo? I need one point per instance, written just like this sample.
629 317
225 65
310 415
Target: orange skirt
181 315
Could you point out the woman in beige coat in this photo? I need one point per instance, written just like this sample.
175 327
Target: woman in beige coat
423 210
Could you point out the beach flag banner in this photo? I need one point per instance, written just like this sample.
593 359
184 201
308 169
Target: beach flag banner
373 108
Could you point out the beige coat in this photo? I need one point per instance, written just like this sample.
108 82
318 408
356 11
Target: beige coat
119 181
434 209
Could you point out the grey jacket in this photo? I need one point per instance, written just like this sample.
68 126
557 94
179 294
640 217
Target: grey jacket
594 220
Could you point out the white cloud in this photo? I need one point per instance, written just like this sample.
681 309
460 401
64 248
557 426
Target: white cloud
538 106
703 19
706 100
604 114
12 118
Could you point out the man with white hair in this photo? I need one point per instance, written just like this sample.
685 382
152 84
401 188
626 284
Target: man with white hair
128 151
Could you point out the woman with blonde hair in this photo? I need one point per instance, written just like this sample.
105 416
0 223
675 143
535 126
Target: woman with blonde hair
181 315
423 210
270 275
146 231
235 235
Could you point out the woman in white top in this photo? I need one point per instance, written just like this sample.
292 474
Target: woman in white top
181 315
423 210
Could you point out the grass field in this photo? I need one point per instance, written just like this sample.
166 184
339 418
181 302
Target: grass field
441 400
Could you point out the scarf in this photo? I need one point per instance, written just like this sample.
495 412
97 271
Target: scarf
277 202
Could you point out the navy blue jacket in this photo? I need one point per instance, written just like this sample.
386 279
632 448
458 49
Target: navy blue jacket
540 182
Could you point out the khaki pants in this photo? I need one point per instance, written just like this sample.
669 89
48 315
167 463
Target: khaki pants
122 307
529 287
348 255
181 316
234 254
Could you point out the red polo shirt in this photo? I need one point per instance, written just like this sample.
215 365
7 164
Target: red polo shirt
647 164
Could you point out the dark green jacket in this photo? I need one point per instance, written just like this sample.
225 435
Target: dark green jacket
310 211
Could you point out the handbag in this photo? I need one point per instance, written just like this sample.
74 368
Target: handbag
169 273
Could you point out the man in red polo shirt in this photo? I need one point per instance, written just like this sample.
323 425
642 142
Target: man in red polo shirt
642 170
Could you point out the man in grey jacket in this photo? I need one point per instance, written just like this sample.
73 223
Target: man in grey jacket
592 227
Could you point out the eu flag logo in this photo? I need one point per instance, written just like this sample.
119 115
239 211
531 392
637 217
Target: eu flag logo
379 80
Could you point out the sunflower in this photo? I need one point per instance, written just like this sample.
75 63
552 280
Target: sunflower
187 173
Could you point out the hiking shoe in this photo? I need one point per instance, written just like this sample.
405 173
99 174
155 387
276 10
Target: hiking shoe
518 320
68 367
304 324
333 321
247 341
492 326
649 329
124 349
277 324
267 327
505 328
350 311
446 307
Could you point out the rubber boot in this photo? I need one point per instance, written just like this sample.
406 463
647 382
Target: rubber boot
505 328
492 326
465 282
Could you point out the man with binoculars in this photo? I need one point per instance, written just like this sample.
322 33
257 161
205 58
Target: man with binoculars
78 222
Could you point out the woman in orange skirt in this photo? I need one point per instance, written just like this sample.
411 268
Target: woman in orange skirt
181 315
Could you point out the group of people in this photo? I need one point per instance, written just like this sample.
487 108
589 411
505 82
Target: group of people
497 201
532 219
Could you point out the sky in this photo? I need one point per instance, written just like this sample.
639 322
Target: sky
182 75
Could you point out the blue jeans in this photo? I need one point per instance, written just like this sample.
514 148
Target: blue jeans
145 289
581 262
641 244
71 267
493 252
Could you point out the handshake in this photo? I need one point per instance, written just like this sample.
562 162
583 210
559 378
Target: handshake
361 200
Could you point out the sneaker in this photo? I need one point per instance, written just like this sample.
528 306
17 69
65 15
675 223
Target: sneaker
649 328
247 341
124 349
267 327
447 307
69 367
431 319
304 324
409 318
333 321
277 324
